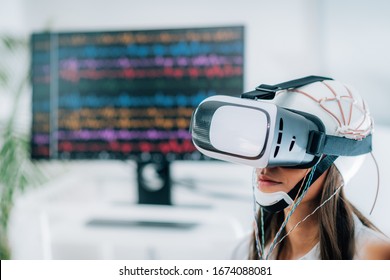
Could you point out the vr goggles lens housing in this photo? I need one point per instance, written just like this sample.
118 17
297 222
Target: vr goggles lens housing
254 133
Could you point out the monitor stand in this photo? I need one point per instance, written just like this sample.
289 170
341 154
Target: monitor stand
154 183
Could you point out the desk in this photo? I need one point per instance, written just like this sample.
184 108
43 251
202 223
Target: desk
91 214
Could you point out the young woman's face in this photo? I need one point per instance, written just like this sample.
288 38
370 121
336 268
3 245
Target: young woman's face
275 179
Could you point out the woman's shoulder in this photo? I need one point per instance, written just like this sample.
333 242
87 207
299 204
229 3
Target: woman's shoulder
377 251
370 243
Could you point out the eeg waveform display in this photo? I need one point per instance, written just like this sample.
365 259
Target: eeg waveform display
128 94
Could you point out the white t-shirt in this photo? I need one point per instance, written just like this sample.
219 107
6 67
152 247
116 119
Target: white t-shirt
363 236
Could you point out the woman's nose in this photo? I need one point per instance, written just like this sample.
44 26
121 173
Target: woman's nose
266 170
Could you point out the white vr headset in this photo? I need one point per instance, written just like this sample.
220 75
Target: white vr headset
261 134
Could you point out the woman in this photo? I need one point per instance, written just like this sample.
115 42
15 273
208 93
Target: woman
321 223
337 230
306 139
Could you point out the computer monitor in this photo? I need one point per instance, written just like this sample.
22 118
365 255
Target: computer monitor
128 94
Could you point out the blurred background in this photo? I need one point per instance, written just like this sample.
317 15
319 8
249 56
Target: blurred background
67 203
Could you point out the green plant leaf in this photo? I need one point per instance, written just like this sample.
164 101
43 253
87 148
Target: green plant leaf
3 78
17 171
12 43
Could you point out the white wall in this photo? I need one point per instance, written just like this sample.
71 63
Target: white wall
285 39
356 39
11 16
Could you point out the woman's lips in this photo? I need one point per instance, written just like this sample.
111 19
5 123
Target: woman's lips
265 182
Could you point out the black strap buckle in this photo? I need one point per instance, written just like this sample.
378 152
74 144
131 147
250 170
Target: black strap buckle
268 92
316 143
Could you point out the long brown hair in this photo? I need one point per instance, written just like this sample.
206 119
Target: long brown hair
335 220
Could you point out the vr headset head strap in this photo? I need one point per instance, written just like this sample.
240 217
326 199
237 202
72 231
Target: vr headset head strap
268 92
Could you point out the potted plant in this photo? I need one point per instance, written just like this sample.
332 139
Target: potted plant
17 171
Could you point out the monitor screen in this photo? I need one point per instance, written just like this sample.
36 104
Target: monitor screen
128 94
